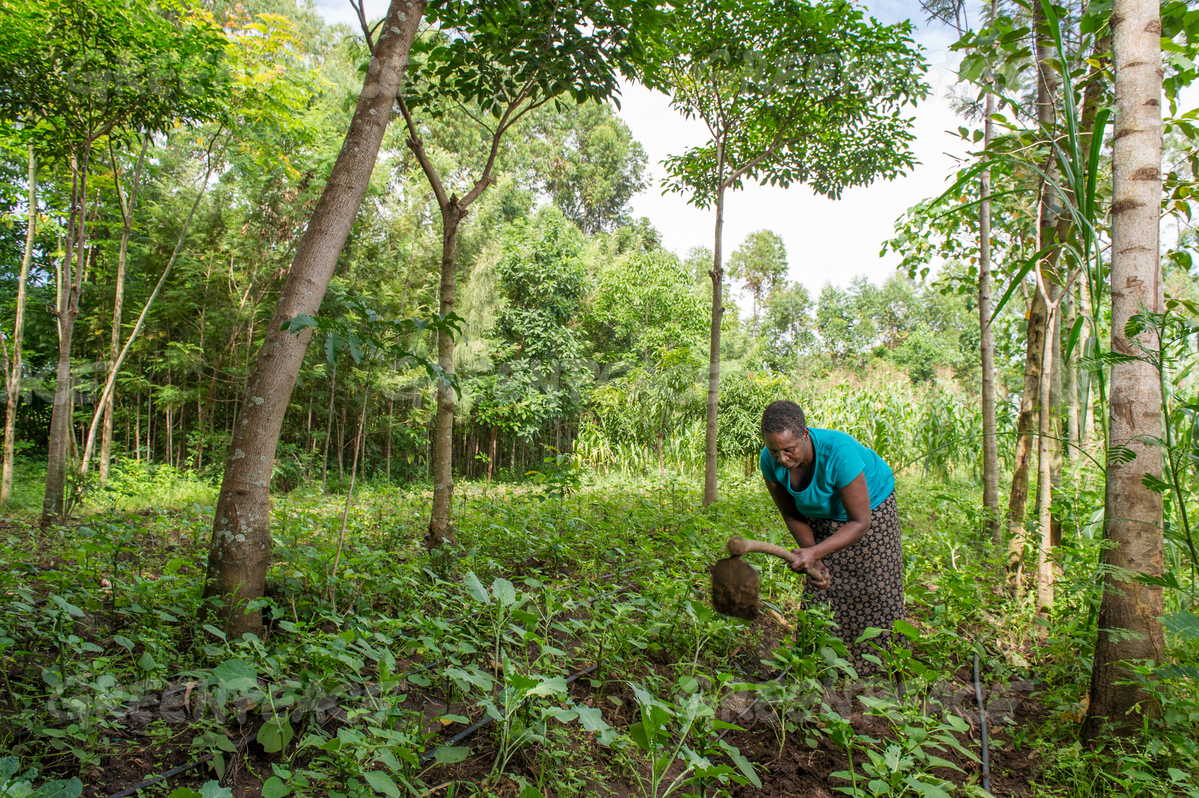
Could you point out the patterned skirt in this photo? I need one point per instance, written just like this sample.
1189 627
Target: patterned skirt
867 582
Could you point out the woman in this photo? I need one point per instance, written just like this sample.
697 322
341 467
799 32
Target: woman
837 498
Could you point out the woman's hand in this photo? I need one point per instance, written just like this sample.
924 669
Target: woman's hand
805 562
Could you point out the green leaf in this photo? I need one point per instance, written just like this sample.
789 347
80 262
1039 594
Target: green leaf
123 642
449 755
382 782
66 605
147 662
275 734
476 589
925 789
236 674
504 591
907 630
552 686
62 788
275 788
744 765
1183 624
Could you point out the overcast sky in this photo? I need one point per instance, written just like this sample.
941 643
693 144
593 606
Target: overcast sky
827 241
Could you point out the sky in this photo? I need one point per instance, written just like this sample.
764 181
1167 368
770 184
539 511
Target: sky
827 241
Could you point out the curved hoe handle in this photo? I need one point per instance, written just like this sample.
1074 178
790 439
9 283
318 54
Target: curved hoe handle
740 546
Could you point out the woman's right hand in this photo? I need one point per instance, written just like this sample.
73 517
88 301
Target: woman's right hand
817 571
819 576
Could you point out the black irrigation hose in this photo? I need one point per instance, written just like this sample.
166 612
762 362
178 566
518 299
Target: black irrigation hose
982 720
462 735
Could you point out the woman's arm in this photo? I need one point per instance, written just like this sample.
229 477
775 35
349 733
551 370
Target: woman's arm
799 530
796 525
855 498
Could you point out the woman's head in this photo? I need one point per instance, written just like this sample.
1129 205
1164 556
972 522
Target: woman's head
785 433
783 417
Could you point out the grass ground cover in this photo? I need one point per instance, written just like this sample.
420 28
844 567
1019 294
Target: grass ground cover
573 617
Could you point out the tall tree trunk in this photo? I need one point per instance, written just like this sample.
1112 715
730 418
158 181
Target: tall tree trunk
1047 530
14 375
441 528
1130 612
240 551
711 428
127 205
1070 382
328 430
1018 497
1038 316
987 343
71 287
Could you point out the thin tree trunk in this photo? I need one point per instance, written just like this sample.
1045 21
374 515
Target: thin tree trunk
1070 382
14 375
441 528
127 207
711 450
328 430
987 340
61 431
390 429
240 551
1130 611
1018 497
345 513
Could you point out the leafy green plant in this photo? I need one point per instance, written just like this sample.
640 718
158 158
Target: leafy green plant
669 733
14 784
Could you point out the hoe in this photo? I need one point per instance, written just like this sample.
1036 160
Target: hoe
735 582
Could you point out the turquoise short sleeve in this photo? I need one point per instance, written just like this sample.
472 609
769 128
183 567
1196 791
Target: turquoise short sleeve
844 467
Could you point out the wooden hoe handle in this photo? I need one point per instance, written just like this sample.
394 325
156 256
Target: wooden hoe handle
740 546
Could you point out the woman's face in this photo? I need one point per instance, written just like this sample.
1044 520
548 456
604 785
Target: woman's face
788 449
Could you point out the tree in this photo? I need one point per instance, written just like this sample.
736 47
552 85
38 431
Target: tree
12 374
588 163
239 555
1130 613
790 92
502 62
74 73
789 325
761 262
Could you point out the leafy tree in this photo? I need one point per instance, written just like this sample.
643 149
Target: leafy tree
647 305
241 543
761 263
539 376
790 92
496 64
789 326
588 163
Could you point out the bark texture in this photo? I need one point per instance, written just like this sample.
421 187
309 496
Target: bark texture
239 555
1130 612
441 528
1018 497
70 290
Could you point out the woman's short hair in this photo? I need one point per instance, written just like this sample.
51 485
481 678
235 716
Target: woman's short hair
783 416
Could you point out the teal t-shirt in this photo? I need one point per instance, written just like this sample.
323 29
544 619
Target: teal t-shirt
839 460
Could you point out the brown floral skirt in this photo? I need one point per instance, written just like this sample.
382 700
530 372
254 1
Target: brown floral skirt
867 582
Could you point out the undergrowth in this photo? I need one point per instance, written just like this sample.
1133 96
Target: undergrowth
357 681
